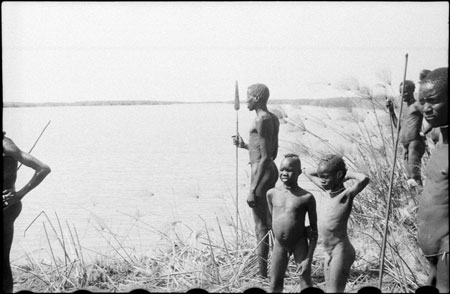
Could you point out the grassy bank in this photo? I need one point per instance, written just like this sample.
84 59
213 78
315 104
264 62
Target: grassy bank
223 259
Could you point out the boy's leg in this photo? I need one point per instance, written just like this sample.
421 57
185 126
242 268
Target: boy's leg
442 273
280 259
343 256
300 253
326 268
432 269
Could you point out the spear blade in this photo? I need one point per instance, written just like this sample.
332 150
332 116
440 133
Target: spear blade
236 98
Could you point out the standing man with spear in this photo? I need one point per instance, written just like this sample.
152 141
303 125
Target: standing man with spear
12 204
263 149
411 139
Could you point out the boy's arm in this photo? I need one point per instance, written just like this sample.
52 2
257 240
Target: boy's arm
311 174
361 182
312 234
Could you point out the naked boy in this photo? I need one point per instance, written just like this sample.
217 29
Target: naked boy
288 206
331 175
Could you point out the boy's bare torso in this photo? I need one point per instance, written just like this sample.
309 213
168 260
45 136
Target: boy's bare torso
333 225
288 215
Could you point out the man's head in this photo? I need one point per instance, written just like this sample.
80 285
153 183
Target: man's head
423 74
408 93
433 96
290 169
257 94
331 171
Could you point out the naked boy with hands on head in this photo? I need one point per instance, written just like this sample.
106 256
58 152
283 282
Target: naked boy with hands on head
288 206
330 175
263 149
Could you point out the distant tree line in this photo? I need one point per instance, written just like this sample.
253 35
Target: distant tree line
344 102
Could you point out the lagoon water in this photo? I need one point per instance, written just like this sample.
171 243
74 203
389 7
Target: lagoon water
120 173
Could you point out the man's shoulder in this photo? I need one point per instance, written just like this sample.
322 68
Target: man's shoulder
8 145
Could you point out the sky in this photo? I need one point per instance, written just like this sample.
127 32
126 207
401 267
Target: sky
196 51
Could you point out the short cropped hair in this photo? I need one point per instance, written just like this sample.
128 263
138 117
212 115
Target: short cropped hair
333 162
439 79
423 74
294 157
409 85
261 91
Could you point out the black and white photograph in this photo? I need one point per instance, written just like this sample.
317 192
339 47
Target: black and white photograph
225 147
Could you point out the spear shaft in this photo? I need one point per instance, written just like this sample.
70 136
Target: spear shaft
40 135
236 107
383 246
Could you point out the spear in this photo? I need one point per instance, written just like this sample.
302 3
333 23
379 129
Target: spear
40 135
383 246
236 107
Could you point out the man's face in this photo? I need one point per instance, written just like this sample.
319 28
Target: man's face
408 93
251 101
289 171
434 101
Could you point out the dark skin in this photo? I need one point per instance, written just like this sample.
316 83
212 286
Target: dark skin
288 206
12 155
433 203
333 226
263 149
410 134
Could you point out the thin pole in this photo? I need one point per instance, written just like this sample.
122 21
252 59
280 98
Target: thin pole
236 107
40 135
383 246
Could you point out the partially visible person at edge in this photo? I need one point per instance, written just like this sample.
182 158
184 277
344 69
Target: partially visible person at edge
263 149
428 130
12 204
433 203
413 142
